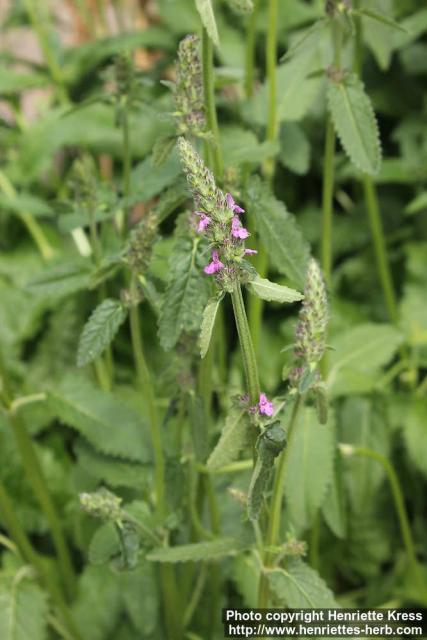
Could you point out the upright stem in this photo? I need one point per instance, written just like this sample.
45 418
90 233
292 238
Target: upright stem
328 166
210 109
256 304
276 503
377 231
33 227
39 485
327 201
127 159
29 554
401 513
146 386
248 353
39 25
250 51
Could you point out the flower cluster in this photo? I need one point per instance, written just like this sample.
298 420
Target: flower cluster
217 216
241 6
102 504
188 89
141 241
310 334
263 407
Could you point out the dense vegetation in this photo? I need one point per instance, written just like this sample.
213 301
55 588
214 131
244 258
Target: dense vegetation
208 400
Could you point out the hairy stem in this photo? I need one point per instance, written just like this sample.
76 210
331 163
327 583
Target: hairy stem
250 51
37 481
327 201
276 503
246 345
40 27
400 511
380 249
34 229
210 109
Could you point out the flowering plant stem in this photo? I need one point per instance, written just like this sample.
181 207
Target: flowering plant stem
328 167
210 110
327 200
34 229
377 231
273 529
28 553
246 345
401 514
256 304
39 485
167 575
250 51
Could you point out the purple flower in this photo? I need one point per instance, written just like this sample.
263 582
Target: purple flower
250 252
203 222
237 230
232 205
215 265
265 406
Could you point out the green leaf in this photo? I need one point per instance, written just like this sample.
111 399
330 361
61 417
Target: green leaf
207 16
62 279
25 203
300 586
294 148
187 292
334 507
117 473
279 232
358 354
208 323
104 544
98 604
23 610
141 597
355 123
309 467
363 424
272 292
415 434
233 439
162 150
100 330
199 551
109 424
380 17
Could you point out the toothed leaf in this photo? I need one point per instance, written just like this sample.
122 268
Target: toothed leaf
273 292
233 439
200 551
355 123
300 586
100 330
208 323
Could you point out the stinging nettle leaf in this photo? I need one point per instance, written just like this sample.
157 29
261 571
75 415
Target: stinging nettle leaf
233 439
99 330
207 16
355 123
208 323
273 292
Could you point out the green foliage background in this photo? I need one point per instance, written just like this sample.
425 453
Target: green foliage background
63 321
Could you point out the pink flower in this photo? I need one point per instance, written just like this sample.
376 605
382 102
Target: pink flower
203 223
237 230
232 205
215 265
250 252
265 406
